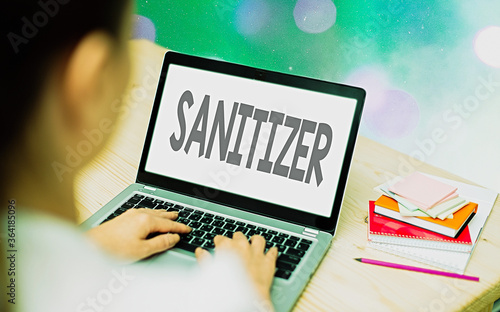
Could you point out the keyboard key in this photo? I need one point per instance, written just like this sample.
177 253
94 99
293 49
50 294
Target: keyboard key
290 243
194 217
209 236
159 201
250 226
269 244
229 220
289 259
146 204
198 212
240 223
186 236
281 248
267 236
179 207
244 230
219 218
208 245
302 246
195 224
306 241
207 228
261 229
184 214
295 252
240 228
188 209
197 233
197 241
285 266
284 235
186 246
295 238
133 200
278 240
182 220
218 223
229 226
121 210
283 274
218 231
272 232
251 233
206 220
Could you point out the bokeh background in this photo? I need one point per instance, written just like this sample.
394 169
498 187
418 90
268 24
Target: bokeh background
431 68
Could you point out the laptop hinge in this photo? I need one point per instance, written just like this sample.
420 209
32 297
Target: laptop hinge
310 232
149 188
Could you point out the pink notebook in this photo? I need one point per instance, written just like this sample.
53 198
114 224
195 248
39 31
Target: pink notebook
425 192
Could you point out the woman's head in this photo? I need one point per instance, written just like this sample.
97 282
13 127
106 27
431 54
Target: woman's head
66 61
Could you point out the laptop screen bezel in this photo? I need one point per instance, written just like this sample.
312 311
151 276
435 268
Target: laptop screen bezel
245 203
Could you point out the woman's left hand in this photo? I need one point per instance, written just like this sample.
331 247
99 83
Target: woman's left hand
126 236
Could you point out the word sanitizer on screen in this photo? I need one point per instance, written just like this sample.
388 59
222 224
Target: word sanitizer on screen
250 114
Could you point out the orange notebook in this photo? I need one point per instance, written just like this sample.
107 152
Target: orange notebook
450 227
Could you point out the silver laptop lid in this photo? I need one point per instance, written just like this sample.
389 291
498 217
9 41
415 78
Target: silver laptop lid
256 140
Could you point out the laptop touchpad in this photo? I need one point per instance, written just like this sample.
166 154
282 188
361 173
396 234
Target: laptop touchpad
175 258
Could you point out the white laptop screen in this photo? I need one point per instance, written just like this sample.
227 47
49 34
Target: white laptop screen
261 140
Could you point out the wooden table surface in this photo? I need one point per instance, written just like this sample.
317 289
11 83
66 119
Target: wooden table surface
340 283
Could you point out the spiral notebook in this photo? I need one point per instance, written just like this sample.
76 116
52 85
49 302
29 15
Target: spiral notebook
382 229
453 261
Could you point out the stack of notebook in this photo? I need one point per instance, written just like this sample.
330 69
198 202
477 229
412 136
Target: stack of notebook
429 219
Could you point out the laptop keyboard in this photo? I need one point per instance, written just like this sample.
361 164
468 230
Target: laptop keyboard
206 226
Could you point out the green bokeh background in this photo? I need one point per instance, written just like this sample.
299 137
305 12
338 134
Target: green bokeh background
422 48
365 32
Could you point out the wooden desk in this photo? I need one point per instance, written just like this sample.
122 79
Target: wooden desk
340 284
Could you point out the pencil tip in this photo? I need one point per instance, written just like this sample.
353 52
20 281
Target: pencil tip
357 259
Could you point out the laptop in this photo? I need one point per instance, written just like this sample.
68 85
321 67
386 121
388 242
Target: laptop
235 148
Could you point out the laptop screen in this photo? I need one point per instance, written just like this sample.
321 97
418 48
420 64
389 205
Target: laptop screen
276 143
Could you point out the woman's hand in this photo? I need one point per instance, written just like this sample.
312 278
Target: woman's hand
260 266
126 235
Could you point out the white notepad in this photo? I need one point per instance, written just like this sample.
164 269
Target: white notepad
453 261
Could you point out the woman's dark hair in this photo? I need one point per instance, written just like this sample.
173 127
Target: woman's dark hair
34 33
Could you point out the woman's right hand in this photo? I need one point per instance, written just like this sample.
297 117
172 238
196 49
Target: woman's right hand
260 266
